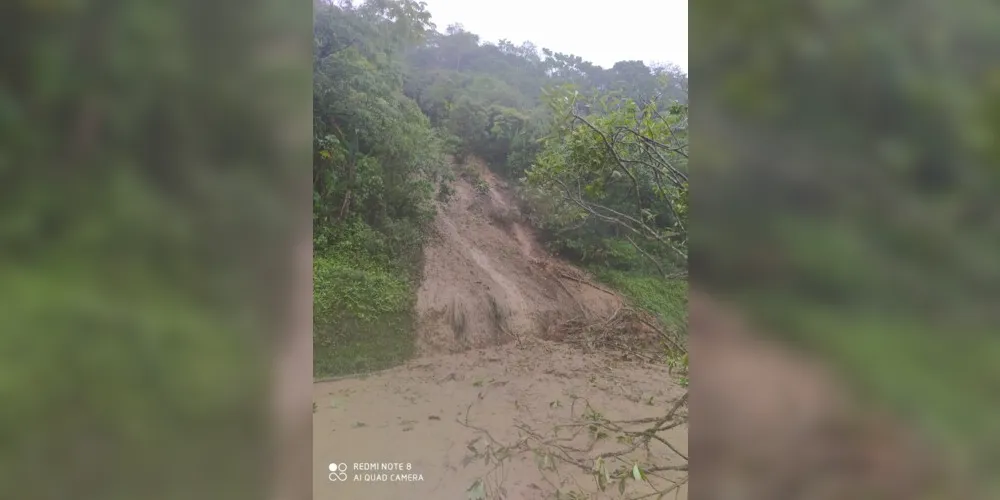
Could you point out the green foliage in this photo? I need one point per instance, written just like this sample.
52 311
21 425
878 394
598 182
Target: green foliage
374 148
666 298
619 176
590 248
378 165
361 317
341 290
445 191
490 95
363 289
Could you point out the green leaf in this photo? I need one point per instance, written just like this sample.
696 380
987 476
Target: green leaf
477 491
636 473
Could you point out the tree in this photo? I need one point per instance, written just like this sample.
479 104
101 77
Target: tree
625 167
369 138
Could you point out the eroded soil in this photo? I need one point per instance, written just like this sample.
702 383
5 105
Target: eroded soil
488 372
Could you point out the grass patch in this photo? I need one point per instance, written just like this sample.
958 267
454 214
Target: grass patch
362 318
667 299
362 346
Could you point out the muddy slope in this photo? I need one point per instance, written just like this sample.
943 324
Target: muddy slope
487 281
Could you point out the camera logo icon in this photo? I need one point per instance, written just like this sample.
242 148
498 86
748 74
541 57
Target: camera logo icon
338 472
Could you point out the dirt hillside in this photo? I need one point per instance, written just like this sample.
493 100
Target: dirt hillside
491 372
488 281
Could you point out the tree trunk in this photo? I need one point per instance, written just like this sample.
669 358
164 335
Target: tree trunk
345 206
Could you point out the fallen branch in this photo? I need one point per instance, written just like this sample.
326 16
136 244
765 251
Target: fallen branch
663 334
578 280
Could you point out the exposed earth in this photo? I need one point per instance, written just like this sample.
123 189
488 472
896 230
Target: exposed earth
486 278
494 365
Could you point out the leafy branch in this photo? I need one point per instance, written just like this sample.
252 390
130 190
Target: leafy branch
591 160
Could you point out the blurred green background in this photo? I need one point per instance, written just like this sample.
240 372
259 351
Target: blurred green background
845 192
147 181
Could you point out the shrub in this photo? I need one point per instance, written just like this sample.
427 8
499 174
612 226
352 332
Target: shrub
445 192
361 317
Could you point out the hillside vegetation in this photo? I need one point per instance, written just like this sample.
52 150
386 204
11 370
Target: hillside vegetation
597 157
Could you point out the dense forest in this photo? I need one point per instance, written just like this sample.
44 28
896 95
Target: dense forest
598 157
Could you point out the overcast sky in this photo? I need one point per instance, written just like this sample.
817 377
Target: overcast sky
600 32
